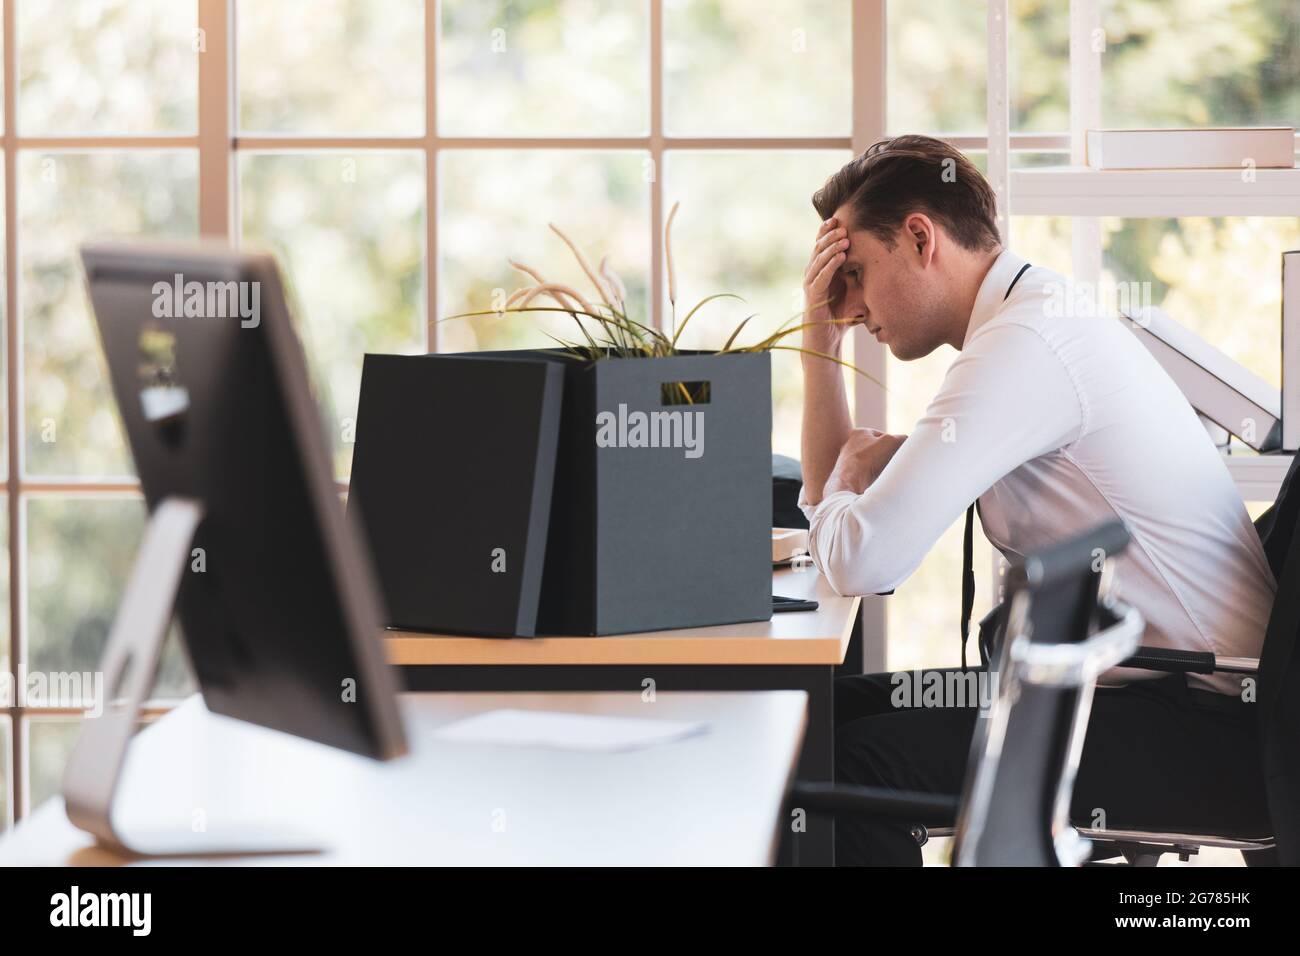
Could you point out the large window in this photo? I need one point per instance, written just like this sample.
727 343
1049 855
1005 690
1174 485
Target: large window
1144 63
395 153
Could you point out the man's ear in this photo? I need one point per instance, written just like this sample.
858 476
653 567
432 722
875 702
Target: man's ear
920 235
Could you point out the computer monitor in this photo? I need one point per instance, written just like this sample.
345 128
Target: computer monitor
247 537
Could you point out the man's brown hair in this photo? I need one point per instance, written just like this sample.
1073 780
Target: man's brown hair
907 174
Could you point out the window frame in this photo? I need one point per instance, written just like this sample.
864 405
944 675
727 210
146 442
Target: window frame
218 142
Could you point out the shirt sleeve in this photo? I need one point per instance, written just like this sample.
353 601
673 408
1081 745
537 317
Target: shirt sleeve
807 509
1006 400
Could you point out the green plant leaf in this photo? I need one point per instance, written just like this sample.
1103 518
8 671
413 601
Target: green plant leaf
708 298
736 332
832 358
781 333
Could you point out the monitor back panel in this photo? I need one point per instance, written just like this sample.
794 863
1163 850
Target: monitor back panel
278 606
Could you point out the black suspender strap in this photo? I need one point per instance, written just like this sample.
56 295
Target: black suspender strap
968 540
967 580
1023 270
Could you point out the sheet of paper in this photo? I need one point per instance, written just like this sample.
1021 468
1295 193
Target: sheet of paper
590 733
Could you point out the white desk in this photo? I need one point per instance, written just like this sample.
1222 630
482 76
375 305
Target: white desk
789 651
713 799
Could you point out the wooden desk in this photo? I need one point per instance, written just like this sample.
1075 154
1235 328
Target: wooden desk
712 799
794 650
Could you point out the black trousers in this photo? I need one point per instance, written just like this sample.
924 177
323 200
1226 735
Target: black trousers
1157 755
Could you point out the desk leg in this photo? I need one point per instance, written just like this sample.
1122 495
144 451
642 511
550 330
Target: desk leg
813 847
816 845
853 655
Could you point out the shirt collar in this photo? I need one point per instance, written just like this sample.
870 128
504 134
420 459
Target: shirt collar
993 290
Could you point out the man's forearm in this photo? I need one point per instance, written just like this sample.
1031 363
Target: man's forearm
826 423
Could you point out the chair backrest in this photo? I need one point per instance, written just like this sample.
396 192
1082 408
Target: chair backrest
1279 668
1059 636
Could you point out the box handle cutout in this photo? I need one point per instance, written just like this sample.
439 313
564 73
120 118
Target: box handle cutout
685 393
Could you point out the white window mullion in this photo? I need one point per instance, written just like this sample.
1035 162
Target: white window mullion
13 393
999 113
998 105
657 289
1086 43
215 116
868 51
431 154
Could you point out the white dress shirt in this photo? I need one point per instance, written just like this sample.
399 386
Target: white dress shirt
1058 424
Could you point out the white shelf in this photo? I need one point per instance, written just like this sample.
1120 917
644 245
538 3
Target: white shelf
1258 477
1080 191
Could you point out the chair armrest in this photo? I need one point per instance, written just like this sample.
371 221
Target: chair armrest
902 805
1075 664
1236 665
1171 660
1174 661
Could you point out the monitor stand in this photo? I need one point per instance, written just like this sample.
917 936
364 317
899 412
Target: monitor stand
129 665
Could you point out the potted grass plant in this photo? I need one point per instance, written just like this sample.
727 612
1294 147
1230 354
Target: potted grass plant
661 499
606 329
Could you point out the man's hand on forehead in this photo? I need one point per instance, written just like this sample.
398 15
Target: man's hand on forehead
824 288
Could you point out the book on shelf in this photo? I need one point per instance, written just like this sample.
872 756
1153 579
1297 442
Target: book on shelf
1257 147
1232 397
1291 350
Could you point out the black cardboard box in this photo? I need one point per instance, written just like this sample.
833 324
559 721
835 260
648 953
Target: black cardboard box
452 476
660 513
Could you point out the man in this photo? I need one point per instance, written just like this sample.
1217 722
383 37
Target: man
1055 424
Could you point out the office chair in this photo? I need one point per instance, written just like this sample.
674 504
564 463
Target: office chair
1277 675
1015 804
1140 847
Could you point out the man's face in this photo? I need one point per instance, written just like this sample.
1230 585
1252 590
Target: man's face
890 292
